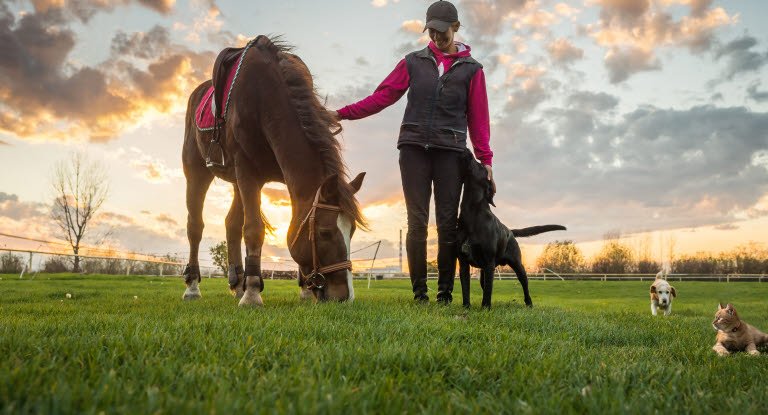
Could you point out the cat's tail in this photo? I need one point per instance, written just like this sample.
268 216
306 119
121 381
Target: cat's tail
535 230
763 341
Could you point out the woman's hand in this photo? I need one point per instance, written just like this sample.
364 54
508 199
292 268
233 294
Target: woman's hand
334 115
489 169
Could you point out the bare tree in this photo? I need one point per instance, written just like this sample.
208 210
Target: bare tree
79 189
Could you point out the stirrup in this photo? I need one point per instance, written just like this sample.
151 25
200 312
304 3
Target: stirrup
210 163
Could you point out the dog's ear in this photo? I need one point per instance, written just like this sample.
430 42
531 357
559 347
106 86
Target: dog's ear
653 289
674 292
489 192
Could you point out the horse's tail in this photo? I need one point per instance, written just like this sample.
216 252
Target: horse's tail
268 228
535 230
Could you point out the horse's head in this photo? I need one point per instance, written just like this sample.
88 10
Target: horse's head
332 231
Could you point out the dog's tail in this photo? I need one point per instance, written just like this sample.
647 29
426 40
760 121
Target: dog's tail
535 230
660 275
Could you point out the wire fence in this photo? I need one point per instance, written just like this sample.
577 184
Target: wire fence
583 277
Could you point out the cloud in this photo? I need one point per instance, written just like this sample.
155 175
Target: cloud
11 207
43 95
632 31
564 9
166 219
592 101
84 10
563 51
152 169
412 26
484 19
278 197
650 168
755 94
726 227
144 45
378 3
740 57
622 63
361 61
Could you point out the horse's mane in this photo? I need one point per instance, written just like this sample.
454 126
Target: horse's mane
319 127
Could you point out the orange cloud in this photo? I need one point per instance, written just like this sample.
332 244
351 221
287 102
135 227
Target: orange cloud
636 29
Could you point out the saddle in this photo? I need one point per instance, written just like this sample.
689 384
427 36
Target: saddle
212 111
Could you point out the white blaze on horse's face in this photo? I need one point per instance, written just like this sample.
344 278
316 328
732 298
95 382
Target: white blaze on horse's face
345 227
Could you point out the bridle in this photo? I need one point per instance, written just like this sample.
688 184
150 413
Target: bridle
316 279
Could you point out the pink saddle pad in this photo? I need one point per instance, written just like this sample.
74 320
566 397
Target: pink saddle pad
204 118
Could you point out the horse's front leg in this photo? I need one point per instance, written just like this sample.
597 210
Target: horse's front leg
198 181
234 225
253 233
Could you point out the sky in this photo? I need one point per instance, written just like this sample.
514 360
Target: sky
643 117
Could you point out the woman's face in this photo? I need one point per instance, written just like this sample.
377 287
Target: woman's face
444 40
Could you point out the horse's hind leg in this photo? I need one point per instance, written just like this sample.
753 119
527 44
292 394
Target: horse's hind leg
234 225
198 181
253 233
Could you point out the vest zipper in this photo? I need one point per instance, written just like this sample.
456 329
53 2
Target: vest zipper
438 89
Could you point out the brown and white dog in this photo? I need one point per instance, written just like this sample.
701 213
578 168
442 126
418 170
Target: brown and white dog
661 295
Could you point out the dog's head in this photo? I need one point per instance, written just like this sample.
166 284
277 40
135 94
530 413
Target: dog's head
662 292
477 187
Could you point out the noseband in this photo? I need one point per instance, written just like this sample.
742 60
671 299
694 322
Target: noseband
316 279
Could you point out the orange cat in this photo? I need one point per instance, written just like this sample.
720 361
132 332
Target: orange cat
734 334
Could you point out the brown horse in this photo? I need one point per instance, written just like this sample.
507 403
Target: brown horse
277 130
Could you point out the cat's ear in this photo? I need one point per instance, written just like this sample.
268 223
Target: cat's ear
721 307
674 292
729 308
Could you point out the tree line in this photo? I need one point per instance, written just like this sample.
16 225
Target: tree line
618 256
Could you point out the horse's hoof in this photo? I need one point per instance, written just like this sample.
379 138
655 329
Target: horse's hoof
306 294
192 295
251 299
192 292
237 292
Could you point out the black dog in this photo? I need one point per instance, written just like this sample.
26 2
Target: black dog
484 242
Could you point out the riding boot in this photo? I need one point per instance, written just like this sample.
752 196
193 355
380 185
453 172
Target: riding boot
417 267
446 271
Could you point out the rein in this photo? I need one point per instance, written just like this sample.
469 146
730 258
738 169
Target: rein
316 279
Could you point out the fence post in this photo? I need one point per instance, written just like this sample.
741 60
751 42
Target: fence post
161 269
728 278
29 269
128 268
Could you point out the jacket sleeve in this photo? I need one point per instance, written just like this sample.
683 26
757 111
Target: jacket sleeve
478 120
389 92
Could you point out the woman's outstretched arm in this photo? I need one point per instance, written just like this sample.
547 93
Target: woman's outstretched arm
389 92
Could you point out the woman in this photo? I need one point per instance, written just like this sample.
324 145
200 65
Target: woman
446 97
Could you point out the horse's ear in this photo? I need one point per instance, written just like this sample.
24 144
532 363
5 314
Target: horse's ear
357 182
329 192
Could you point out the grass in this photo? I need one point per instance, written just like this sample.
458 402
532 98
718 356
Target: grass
586 347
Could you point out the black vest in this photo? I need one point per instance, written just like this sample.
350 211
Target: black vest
436 114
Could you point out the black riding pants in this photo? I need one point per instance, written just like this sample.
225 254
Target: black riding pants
422 170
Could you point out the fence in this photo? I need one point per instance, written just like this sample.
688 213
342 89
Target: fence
585 277
127 265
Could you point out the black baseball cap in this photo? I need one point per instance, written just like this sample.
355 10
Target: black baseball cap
440 15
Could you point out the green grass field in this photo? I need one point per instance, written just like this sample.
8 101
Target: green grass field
585 347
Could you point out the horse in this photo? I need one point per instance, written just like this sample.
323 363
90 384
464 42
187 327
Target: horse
276 130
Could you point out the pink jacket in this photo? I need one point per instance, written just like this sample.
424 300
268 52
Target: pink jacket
396 84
